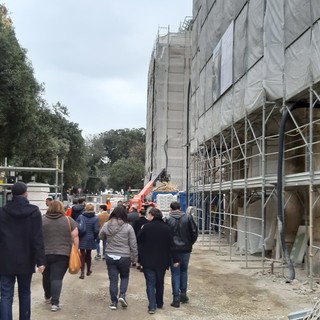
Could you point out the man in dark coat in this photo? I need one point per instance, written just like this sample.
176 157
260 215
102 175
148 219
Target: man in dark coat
137 225
154 245
78 209
185 234
133 216
21 249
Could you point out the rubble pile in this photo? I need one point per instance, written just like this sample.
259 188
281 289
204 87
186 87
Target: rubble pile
166 187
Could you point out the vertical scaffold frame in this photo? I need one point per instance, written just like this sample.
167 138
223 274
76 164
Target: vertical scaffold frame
222 168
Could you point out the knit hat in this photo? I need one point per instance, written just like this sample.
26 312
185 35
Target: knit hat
19 188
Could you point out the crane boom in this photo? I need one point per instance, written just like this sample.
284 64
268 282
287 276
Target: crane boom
138 199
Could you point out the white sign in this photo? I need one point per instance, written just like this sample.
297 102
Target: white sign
226 58
222 57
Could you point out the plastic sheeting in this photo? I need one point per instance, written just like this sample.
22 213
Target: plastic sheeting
252 242
273 50
275 54
168 81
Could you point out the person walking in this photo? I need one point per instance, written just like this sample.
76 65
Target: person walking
133 215
108 205
154 243
137 225
87 241
69 210
103 217
57 242
78 208
121 245
48 201
21 249
185 234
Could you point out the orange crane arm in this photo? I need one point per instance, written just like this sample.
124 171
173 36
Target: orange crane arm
138 199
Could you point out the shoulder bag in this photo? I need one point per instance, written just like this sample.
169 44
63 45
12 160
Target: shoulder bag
74 258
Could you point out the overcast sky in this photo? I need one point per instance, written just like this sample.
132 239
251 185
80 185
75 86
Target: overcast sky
93 57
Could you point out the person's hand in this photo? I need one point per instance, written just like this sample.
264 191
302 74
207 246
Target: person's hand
176 264
41 268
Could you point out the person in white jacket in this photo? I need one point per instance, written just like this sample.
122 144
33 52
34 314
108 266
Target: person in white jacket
121 245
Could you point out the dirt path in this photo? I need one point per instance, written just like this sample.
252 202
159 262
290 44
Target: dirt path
218 290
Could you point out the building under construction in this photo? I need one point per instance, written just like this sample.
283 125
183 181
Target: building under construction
169 76
243 133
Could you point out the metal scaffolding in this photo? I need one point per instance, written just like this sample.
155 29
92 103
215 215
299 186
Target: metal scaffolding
234 182
58 173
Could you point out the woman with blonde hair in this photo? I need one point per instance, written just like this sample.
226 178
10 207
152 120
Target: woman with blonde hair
88 240
59 232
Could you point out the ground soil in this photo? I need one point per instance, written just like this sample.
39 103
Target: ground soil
218 289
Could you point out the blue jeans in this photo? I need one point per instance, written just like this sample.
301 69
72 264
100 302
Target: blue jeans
115 268
179 275
24 292
103 246
56 267
155 287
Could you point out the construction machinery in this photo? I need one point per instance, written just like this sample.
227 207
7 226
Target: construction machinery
138 200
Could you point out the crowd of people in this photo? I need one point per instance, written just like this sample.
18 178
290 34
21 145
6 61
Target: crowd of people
145 238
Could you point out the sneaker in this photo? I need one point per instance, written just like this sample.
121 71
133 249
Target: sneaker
123 302
103 257
97 257
152 311
55 308
47 300
113 306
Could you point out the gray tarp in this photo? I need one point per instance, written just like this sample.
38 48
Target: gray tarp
276 52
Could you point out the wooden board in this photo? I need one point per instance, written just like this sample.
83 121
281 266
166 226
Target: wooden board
299 246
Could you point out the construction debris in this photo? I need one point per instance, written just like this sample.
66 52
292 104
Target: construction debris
166 187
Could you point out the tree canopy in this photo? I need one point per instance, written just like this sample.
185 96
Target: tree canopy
126 173
117 157
34 134
123 142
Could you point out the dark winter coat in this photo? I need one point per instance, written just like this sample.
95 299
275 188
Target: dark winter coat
88 240
154 245
76 211
184 229
21 240
132 217
138 224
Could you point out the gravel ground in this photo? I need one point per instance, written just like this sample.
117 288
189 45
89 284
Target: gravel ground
218 289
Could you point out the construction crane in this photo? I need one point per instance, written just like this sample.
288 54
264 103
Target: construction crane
139 199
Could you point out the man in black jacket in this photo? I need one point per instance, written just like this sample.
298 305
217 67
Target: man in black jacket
21 248
77 209
185 234
154 245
